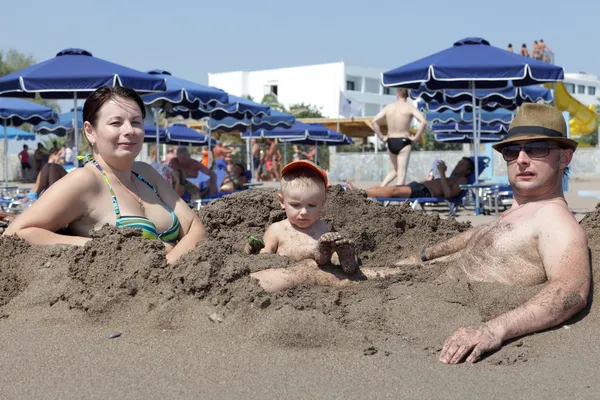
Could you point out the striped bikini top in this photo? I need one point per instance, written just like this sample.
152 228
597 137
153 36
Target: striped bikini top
148 228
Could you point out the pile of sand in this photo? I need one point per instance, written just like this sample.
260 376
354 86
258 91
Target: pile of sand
120 276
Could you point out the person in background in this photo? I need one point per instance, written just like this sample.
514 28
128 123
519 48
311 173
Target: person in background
39 155
25 164
510 48
524 51
399 116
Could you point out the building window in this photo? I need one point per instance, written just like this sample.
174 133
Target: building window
570 87
592 90
372 85
272 88
387 90
580 89
350 85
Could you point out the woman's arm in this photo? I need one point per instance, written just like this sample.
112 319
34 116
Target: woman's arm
64 202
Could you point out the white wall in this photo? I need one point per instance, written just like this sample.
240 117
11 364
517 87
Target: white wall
318 85
235 83
574 81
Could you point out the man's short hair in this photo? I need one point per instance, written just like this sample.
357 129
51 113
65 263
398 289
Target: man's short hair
182 150
471 163
301 178
402 92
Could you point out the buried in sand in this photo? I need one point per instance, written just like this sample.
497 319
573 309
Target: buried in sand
526 272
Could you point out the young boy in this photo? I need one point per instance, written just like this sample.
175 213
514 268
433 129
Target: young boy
303 236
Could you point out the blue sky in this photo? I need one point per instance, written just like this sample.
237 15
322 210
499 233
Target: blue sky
191 38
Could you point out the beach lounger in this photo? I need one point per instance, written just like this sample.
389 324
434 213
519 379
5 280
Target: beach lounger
452 203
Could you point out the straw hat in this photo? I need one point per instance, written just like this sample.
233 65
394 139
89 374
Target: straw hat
538 122
305 164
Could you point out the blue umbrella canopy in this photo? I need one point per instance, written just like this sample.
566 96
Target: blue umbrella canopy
456 137
506 97
63 125
181 92
468 127
16 112
500 115
16 134
468 61
332 138
75 72
277 119
238 107
299 130
177 134
465 106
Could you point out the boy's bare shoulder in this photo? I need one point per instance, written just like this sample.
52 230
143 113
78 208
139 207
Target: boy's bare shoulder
278 226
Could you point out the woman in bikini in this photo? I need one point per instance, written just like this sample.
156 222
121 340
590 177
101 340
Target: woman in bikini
111 188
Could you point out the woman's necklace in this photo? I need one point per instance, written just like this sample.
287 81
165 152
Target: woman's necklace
137 198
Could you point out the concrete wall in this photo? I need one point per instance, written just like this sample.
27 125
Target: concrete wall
374 166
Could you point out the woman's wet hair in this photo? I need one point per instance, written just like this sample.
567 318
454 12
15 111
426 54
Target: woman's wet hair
93 104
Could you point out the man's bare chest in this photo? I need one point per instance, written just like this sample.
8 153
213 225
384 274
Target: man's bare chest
505 252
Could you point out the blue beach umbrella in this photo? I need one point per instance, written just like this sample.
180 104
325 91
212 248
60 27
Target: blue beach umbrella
75 73
507 97
181 92
298 130
499 115
63 125
276 119
472 63
463 127
238 107
464 138
16 112
16 134
315 137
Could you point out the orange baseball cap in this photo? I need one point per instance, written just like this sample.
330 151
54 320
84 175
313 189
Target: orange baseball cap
305 164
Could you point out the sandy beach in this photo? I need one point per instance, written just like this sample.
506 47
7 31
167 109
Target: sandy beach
204 329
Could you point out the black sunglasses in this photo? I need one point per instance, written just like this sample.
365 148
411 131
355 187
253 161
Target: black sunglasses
532 149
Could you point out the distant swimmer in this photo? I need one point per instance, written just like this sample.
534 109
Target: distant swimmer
399 116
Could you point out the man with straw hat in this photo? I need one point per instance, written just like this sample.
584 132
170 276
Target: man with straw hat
536 241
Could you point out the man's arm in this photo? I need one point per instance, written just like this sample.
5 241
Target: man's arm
212 182
422 125
375 123
563 248
449 190
445 248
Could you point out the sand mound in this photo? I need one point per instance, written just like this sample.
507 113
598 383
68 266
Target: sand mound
121 276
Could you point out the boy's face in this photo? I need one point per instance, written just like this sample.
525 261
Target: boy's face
302 205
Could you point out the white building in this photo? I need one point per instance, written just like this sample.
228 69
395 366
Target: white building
318 85
584 87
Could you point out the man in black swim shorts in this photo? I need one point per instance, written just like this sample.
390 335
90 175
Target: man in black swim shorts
398 116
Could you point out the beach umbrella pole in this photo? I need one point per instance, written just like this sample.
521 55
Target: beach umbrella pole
5 154
157 136
476 149
75 131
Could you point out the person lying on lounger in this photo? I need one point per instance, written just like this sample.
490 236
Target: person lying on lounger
447 187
